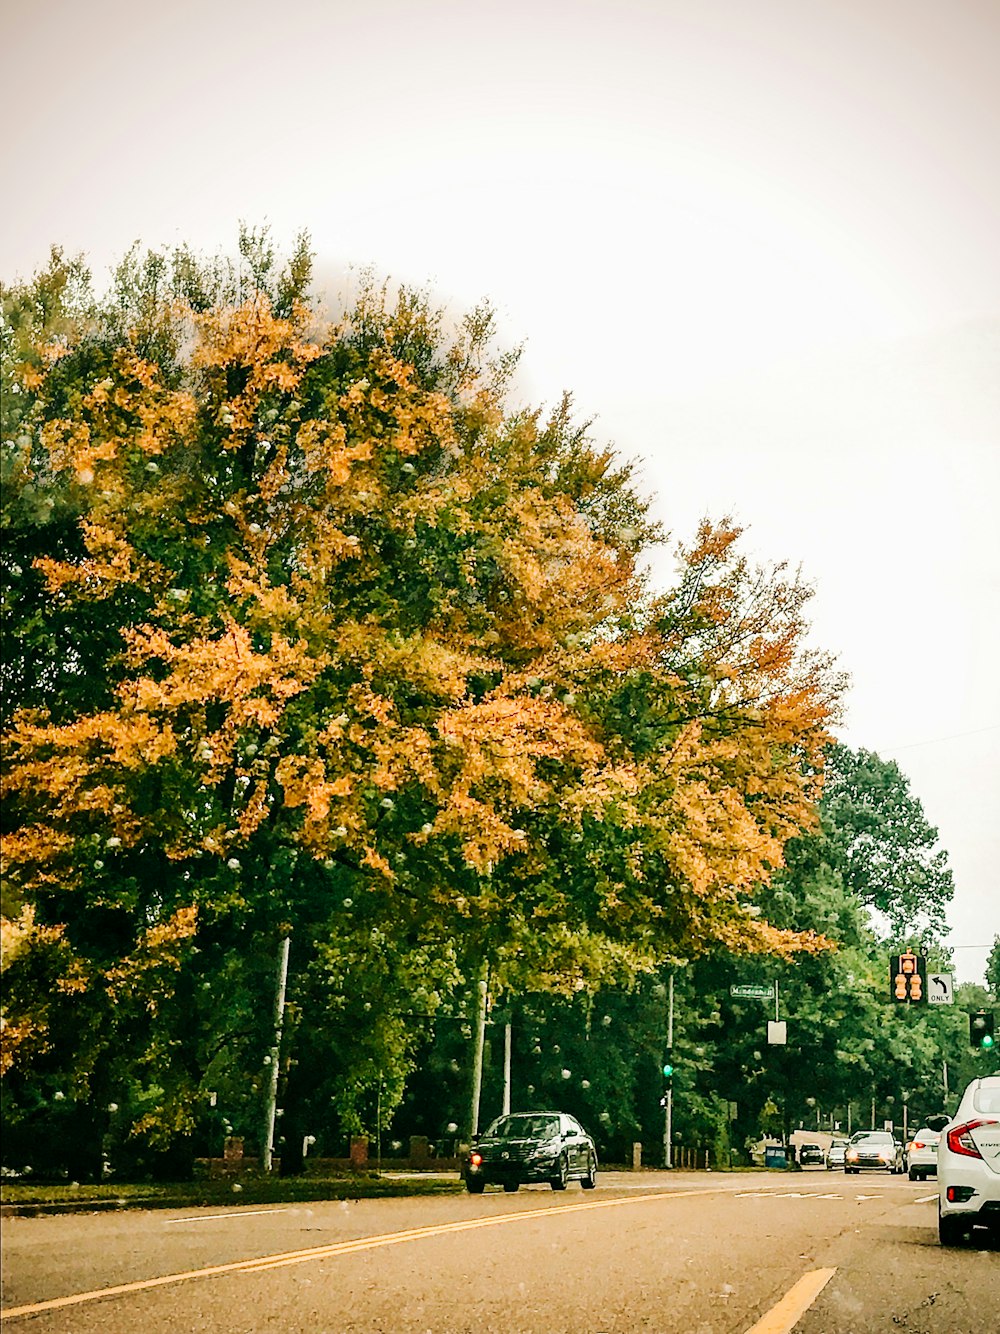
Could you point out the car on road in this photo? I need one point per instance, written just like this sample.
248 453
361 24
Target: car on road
811 1154
873 1150
968 1164
921 1154
523 1147
835 1153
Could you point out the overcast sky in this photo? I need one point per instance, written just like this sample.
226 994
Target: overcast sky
756 238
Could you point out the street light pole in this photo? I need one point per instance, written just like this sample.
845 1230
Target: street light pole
668 1142
479 1040
279 1018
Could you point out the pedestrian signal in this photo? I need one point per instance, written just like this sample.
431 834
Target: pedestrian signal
908 978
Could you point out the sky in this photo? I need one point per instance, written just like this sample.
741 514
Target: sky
756 239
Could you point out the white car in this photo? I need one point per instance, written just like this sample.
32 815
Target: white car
921 1154
968 1164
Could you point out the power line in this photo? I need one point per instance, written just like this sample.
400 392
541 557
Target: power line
954 736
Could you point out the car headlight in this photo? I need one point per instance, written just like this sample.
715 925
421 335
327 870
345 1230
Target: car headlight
852 1154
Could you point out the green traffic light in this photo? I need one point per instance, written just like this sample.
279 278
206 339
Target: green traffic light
668 1070
987 1041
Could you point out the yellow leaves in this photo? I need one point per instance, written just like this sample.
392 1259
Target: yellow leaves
252 336
181 926
160 947
19 934
304 783
224 667
111 562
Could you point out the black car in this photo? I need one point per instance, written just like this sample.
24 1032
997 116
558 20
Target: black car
811 1153
532 1146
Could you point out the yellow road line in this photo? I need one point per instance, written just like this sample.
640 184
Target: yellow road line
282 1259
787 1313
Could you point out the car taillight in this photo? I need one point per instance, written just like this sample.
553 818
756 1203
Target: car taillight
960 1139
919 1144
475 1159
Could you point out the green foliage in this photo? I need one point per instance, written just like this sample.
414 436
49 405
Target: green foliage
315 636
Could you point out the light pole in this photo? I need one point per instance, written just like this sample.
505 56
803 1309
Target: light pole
668 1115
275 1061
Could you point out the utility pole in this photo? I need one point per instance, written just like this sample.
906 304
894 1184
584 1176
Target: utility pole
479 1040
668 1129
506 1067
279 1019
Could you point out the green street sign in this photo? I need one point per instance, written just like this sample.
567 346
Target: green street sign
754 990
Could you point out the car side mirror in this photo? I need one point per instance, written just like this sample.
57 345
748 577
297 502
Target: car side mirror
937 1122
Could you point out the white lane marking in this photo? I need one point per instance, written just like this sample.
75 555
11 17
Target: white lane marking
925 1199
868 1197
208 1218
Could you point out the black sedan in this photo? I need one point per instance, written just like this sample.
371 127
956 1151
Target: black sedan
532 1146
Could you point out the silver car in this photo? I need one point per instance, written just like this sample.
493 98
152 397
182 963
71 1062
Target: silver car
874 1151
835 1154
968 1164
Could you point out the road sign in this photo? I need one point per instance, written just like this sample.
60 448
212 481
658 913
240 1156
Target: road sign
940 990
777 1033
754 990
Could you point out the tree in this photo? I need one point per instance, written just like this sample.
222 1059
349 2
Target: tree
879 839
326 639
993 969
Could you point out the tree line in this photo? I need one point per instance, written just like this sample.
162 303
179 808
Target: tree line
318 642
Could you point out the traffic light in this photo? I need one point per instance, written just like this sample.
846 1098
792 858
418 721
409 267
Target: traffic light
668 1074
908 978
981 1031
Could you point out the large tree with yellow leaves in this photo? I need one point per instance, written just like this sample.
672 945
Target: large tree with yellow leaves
316 634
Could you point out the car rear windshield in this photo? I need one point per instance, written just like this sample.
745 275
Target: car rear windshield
987 1099
526 1127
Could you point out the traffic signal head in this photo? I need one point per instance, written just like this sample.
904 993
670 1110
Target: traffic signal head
908 978
981 1031
668 1070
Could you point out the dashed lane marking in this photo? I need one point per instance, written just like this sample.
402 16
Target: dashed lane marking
787 1313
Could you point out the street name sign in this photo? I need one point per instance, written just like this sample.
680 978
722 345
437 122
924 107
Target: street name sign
754 990
940 990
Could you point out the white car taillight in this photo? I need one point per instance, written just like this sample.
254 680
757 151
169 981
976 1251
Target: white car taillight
959 1139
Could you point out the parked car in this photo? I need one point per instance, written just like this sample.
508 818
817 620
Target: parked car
921 1154
532 1146
968 1164
811 1153
835 1153
874 1150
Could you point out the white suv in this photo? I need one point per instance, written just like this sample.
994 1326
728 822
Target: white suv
968 1163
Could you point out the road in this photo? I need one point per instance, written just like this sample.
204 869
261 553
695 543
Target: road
672 1253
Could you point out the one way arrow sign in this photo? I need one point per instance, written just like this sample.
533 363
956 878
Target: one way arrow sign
939 989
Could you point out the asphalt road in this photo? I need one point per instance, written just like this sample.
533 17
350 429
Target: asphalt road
672 1253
